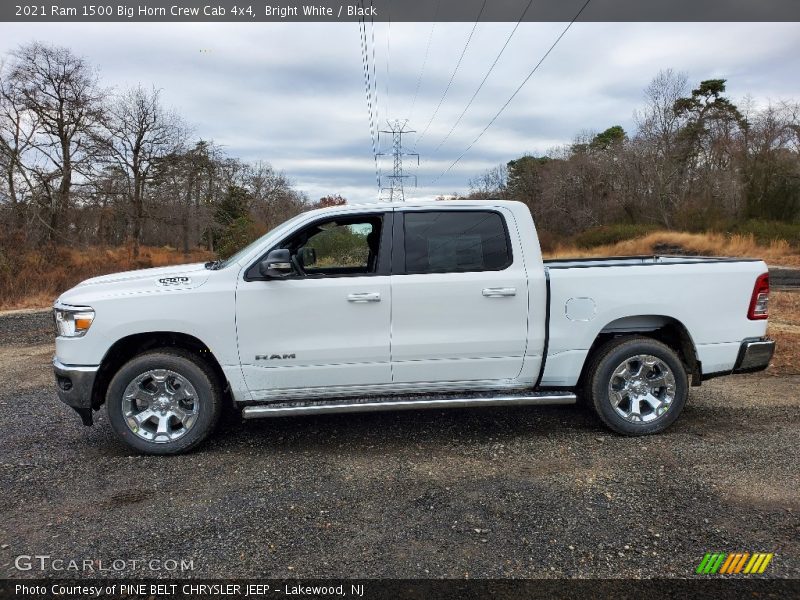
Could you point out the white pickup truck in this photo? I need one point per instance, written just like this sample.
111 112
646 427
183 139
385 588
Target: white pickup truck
403 306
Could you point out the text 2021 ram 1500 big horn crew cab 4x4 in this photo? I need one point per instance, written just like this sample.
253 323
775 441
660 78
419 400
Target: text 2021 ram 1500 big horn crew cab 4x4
403 306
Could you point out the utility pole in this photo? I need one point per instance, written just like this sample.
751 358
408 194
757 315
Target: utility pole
396 184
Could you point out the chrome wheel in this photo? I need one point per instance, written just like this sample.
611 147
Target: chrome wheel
642 388
160 406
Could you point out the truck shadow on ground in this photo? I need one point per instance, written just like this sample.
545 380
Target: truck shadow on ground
388 431
409 430
403 428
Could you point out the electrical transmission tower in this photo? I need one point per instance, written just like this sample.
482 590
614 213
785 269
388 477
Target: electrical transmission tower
394 190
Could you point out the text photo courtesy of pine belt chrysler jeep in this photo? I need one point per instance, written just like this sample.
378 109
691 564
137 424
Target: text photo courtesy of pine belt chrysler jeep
403 306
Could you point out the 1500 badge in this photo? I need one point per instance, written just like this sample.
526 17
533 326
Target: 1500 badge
174 281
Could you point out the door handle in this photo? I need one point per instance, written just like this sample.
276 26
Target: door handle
364 297
499 292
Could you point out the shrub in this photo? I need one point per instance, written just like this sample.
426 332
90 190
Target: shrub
765 232
612 234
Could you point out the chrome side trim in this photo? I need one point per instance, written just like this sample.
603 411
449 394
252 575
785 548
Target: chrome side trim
255 412
506 386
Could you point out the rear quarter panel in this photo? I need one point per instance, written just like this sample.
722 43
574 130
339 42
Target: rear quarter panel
710 299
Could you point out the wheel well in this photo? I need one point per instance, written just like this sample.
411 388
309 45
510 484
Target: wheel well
666 330
126 348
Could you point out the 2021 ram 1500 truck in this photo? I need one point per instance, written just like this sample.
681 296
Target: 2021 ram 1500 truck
403 306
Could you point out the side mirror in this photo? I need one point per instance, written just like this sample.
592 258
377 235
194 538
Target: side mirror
277 265
307 256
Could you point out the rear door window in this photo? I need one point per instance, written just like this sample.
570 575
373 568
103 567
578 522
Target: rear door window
455 242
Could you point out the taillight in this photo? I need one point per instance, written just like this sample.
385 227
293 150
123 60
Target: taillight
759 301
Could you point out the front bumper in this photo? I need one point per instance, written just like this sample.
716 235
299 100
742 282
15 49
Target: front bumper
74 385
754 355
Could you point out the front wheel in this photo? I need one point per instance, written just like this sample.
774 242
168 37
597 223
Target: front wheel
638 385
164 402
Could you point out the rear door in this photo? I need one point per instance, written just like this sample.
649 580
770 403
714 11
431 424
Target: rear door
459 297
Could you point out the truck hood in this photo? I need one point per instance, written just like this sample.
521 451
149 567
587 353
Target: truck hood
143 281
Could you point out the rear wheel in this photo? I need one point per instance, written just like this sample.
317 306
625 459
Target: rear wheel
164 402
638 385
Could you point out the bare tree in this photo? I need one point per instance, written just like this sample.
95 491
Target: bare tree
492 183
274 198
658 120
655 143
139 133
61 92
770 165
17 130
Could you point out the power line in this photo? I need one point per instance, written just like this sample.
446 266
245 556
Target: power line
374 73
362 28
449 83
485 77
424 60
521 85
388 53
368 92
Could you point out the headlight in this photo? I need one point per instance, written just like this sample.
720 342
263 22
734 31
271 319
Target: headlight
73 322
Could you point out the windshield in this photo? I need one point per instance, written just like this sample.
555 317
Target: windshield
252 245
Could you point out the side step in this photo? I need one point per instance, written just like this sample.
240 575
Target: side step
287 409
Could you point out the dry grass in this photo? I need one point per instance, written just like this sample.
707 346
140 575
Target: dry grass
35 278
778 252
784 327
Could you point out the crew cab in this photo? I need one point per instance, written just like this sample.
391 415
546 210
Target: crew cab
404 306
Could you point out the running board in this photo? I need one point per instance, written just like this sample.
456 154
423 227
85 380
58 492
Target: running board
288 409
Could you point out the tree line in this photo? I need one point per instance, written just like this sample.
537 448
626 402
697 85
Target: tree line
85 164
695 161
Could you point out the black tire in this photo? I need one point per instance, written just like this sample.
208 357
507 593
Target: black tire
611 356
196 371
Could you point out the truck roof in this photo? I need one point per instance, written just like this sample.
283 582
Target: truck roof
510 204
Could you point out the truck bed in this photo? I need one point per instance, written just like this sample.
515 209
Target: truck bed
708 296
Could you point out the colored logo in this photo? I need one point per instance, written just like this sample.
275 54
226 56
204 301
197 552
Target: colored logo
734 563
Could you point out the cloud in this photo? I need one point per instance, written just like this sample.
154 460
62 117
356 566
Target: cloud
293 94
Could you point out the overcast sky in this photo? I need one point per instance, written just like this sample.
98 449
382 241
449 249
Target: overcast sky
293 94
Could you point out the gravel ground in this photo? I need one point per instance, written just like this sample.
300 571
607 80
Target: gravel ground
504 492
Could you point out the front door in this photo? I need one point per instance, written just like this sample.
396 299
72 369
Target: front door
326 326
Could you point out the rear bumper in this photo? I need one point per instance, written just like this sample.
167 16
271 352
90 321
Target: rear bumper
74 386
754 355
